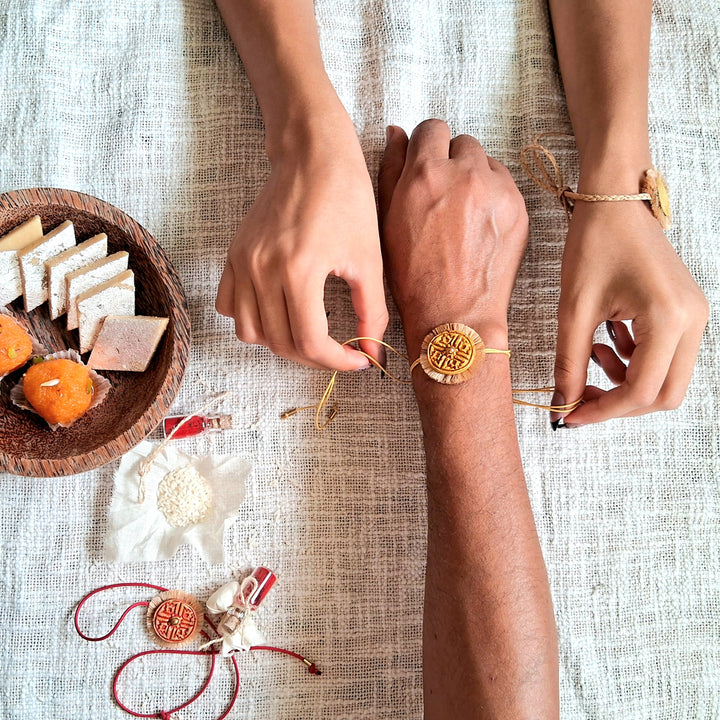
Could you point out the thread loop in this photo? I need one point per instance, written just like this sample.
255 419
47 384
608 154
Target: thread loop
546 174
564 409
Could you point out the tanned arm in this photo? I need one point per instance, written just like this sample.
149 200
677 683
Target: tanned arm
454 231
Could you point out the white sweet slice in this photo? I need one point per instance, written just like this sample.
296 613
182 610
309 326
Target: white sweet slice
114 297
32 262
127 343
89 276
64 263
22 236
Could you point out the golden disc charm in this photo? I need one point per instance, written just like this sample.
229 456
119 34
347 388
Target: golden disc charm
174 618
451 353
654 185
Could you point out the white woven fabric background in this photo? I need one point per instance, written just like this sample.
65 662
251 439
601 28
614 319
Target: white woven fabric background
144 103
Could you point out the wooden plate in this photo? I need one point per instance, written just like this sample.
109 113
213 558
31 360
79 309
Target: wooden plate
137 401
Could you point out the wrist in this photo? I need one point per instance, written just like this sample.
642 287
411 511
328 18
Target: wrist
308 124
613 164
492 331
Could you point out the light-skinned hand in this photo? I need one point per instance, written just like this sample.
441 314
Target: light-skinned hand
314 217
618 265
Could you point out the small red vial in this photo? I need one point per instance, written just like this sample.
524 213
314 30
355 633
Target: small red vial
196 425
265 579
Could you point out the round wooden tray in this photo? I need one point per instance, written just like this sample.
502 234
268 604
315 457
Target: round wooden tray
137 401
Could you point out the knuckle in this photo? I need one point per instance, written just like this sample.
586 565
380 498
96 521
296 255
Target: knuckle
670 400
378 319
426 172
255 262
297 269
474 178
222 307
247 335
281 349
675 315
501 169
566 368
643 396
432 125
309 348
383 318
512 205
469 140
702 309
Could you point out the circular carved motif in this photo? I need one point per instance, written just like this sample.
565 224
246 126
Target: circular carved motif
174 618
174 621
451 352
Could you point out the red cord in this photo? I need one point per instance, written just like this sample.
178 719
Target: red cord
165 714
312 669
122 617
204 687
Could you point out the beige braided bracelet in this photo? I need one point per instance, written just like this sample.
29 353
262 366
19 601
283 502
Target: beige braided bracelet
548 176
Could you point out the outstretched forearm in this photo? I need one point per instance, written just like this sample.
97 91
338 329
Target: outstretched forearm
316 213
278 43
490 648
603 50
455 228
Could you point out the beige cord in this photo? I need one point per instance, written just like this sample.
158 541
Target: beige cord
567 408
551 178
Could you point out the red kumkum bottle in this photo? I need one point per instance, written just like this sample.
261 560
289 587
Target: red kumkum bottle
266 579
196 425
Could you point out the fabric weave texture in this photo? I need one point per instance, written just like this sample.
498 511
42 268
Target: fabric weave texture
144 103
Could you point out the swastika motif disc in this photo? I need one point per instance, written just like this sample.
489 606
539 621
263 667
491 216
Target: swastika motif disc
450 352
174 618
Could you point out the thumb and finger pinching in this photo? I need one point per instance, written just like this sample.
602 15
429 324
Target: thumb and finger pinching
574 346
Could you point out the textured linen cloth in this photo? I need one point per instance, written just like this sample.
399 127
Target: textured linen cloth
144 104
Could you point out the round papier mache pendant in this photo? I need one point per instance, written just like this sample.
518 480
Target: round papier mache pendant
174 618
654 185
451 353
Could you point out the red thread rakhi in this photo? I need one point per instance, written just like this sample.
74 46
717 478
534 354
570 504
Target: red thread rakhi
176 618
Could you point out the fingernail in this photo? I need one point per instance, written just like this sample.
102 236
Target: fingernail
556 417
363 367
611 330
390 132
594 358
571 426
383 356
